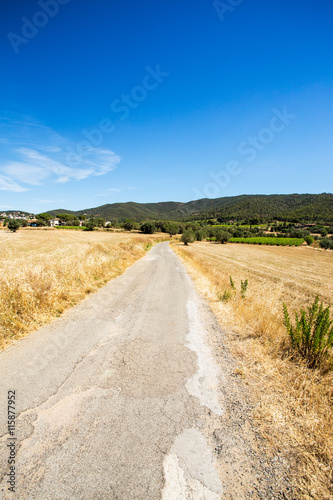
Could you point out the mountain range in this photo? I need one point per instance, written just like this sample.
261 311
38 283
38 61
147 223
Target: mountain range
307 207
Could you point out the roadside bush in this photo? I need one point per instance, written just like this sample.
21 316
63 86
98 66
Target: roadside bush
231 292
224 296
312 334
188 237
244 285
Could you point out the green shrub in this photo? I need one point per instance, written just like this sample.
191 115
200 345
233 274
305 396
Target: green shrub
309 240
232 284
324 243
233 291
312 334
244 285
224 296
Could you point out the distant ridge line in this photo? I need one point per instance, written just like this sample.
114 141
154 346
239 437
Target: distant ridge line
311 207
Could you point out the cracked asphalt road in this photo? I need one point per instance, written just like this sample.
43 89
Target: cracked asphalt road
121 397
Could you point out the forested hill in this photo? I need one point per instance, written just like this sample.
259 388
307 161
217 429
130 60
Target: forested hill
293 207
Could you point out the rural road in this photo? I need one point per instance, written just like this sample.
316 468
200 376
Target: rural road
122 398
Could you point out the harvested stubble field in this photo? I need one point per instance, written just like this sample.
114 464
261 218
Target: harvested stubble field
292 404
45 271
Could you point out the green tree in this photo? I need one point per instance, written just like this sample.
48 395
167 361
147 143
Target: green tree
44 218
90 225
200 235
100 222
188 237
66 217
148 228
223 236
24 222
129 224
172 228
13 225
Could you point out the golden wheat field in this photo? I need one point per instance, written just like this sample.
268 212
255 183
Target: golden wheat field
292 404
45 271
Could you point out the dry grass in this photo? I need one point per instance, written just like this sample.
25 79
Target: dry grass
294 404
45 272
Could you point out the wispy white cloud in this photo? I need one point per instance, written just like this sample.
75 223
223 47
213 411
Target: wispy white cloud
7 184
41 155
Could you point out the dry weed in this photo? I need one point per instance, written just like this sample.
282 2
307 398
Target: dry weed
44 273
294 404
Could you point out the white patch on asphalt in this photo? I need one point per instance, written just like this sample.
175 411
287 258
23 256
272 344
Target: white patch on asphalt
189 470
204 384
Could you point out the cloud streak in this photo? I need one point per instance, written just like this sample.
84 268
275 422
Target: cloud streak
38 157
7 184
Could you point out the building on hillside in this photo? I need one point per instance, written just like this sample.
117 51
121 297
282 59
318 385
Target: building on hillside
55 222
33 222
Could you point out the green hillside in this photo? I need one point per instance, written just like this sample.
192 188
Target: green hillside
293 207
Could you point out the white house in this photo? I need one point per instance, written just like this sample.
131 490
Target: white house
54 222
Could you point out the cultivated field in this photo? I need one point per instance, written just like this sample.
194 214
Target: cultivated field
45 271
294 275
293 404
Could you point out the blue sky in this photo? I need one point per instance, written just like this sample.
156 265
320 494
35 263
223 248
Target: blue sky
105 102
